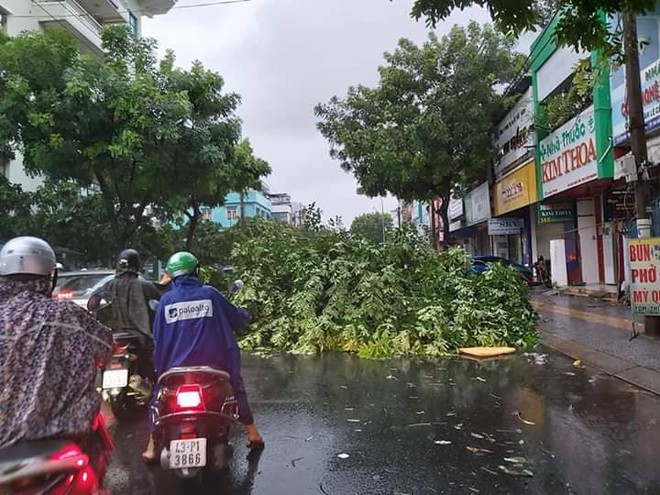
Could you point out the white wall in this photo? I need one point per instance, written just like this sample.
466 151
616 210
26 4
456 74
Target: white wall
588 244
544 234
556 69
17 175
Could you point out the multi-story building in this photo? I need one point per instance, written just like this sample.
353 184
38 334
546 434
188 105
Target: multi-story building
236 206
285 210
84 19
556 191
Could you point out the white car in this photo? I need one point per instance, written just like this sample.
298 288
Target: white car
79 286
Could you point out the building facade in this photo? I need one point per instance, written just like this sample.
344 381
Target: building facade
556 192
285 210
236 206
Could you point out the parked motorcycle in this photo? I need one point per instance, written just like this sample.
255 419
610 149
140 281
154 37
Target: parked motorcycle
54 467
127 380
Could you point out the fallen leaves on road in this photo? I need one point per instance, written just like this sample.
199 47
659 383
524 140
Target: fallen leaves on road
477 435
417 425
519 468
578 364
343 456
442 442
516 472
351 420
481 379
523 419
477 450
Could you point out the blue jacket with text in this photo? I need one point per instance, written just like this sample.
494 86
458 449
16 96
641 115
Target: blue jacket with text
194 326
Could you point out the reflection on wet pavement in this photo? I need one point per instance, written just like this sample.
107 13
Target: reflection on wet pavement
339 425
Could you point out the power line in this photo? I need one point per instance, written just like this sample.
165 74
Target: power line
136 11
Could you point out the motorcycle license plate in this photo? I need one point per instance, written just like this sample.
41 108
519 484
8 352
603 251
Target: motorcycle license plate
188 453
115 378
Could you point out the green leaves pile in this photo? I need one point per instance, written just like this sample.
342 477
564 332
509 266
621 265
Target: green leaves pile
328 290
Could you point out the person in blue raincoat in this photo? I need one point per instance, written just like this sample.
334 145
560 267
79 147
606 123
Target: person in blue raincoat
194 326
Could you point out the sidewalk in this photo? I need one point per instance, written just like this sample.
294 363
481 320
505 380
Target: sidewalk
599 335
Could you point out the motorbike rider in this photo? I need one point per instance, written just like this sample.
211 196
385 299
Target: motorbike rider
199 337
129 311
49 353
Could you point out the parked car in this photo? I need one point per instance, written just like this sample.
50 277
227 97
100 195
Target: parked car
79 286
481 263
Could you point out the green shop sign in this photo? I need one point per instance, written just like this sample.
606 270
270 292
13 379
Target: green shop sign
555 213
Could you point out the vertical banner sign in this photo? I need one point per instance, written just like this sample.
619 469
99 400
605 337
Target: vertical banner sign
644 256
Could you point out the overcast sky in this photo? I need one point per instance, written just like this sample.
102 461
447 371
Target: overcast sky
285 56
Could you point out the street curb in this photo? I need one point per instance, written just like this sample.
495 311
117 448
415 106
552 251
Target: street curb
645 378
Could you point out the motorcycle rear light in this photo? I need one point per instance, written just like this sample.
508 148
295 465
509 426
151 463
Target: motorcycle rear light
64 295
189 397
188 436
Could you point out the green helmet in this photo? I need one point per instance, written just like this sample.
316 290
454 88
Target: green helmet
181 263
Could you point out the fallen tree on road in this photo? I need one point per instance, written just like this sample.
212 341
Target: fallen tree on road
327 290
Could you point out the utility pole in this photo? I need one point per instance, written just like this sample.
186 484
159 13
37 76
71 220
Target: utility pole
382 218
637 138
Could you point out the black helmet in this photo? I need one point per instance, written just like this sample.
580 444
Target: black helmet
129 261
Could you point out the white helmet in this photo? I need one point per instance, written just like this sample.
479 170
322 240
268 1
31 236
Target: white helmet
27 256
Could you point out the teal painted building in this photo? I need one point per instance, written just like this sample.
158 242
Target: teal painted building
254 204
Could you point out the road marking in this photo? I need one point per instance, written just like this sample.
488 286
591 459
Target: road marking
611 321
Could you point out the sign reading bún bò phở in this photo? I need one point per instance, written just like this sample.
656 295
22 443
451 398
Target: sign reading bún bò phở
644 258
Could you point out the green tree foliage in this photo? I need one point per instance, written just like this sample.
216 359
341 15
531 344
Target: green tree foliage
333 291
15 207
372 227
428 125
65 216
141 130
580 24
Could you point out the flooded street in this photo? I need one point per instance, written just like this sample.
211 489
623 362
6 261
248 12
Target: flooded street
339 425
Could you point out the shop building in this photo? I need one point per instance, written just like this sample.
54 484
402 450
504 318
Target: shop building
620 205
470 229
511 228
574 170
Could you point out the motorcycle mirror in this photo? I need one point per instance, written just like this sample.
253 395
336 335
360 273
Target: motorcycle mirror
105 300
236 286
153 304
103 303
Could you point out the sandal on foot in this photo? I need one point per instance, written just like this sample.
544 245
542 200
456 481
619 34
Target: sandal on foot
148 460
256 445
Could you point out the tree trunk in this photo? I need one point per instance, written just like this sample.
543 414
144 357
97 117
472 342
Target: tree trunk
637 138
434 227
444 215
242 200
192 223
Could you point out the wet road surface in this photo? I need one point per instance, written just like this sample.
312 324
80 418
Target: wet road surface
522 424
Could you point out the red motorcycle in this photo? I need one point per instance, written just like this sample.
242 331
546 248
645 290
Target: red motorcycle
54 467
195 410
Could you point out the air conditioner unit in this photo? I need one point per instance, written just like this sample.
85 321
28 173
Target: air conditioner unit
625 167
